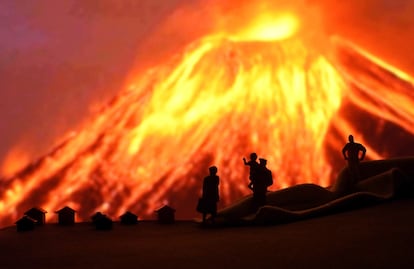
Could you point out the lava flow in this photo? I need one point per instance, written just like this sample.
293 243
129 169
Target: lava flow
222 98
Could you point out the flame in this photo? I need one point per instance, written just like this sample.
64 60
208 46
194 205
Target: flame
260 88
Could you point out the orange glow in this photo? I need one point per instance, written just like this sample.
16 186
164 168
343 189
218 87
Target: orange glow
260 87
15 160
269 27
388 95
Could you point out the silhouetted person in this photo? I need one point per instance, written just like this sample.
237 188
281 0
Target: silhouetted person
254 167
265 173
261 182
210 195
351 152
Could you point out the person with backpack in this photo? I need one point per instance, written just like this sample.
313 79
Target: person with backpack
263 180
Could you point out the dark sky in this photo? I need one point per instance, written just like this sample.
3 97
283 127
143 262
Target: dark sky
59 60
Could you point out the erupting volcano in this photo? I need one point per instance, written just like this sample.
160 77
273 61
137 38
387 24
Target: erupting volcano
263 89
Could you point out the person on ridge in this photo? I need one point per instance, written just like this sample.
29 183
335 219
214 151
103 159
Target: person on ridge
351 153
263 180
254 167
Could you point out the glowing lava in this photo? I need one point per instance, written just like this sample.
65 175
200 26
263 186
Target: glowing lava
222 98
268 27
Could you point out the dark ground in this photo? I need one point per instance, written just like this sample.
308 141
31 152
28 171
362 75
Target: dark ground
379 236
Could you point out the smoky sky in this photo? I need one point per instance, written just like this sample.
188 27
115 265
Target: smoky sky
60 60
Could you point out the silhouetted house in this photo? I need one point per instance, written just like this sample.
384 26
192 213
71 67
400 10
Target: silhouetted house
96 217
38 214
166 214
103 223
66 216
26 223
128 218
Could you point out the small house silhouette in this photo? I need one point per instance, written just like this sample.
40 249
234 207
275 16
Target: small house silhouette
166 214
38 214
66 216
26 223
96 216
128 218
102 222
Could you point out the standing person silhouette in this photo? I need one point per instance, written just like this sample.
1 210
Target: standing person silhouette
254 167
351 153
210 195
263 180
265 173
